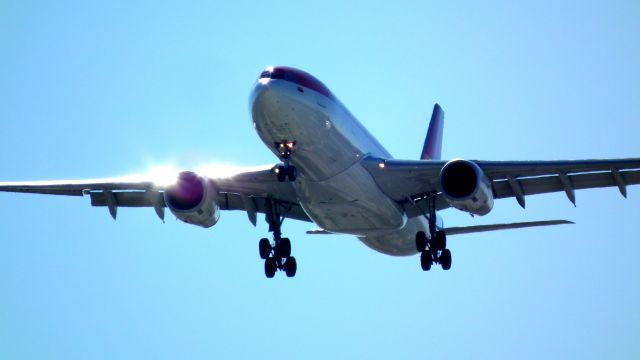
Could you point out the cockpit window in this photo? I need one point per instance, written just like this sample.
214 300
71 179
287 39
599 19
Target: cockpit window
279 73
297 77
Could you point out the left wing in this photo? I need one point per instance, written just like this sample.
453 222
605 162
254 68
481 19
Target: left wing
407 181
246 190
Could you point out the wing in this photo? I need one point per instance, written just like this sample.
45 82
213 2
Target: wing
245 190
406 181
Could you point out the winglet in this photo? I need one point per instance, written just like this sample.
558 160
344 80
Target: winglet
432 148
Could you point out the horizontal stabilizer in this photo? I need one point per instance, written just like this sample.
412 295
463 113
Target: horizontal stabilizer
318 232
494 227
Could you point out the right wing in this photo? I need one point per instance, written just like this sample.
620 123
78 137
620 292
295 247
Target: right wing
250 191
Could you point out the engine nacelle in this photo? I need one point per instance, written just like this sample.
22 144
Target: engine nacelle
192 199
466 187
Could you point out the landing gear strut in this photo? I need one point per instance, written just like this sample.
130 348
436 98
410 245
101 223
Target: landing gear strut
286 171
277 254
433 250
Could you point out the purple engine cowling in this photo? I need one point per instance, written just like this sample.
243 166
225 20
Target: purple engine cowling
187 192
192 200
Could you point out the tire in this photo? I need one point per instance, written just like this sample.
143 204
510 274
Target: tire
441 240
445 259
292 173
265 248
285 247
425 260
421 241
270 267
281 174
290 267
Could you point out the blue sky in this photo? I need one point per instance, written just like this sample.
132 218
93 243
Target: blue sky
104 89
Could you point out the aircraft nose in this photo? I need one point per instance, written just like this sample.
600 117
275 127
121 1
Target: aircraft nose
268 95
260 95
261 86
265 104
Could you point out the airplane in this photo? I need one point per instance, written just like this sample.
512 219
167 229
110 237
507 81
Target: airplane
335 174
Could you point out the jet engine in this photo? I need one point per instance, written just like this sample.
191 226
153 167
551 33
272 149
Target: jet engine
466 187
192 199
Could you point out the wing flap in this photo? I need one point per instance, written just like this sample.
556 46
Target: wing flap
226 201
547 184
128 198
232 201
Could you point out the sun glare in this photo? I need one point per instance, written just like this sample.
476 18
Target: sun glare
218 171
163 175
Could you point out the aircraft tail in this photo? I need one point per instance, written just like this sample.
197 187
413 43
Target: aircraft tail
432 148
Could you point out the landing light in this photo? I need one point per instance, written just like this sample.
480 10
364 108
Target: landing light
381 165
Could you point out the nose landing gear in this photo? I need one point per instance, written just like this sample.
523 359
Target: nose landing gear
286 171
277 254
433 250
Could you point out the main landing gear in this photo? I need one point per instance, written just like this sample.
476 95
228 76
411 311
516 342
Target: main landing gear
433 250
277 254
286 171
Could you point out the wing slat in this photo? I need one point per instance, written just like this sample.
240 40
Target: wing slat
226 201
127 199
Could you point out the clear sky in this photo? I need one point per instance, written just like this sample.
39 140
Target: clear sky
100 89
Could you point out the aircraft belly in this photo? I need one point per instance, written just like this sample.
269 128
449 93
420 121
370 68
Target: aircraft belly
349 203
400 242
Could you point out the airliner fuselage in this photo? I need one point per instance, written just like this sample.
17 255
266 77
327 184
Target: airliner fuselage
333 188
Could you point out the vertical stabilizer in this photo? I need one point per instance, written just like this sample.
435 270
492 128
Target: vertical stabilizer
432 148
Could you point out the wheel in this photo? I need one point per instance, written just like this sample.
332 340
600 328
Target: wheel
292 173
445 259
270 267
290 267
281 173
440 240
425 260
421 241
265 248
285 247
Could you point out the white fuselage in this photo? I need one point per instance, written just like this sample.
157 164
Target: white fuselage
332 186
